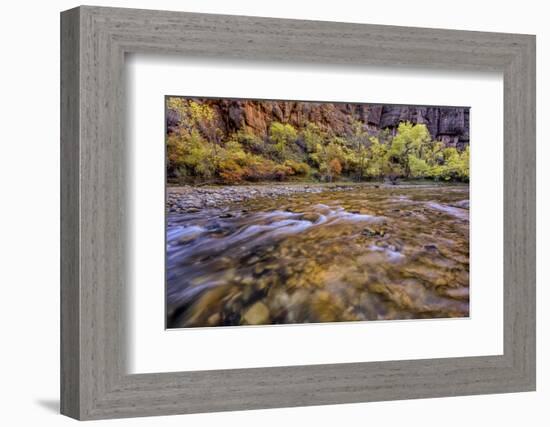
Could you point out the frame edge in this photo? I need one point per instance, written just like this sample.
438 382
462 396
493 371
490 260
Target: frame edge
84 363
70 388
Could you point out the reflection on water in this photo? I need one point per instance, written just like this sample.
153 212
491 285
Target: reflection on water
370 253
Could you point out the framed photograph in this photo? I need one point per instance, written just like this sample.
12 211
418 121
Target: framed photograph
262 213
285 212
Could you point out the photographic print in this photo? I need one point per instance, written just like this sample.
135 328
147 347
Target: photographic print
294 212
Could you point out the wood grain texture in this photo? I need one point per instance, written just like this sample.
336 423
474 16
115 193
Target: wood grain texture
94 382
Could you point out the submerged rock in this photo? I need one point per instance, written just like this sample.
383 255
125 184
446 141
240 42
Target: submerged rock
257 314
371 232
463 204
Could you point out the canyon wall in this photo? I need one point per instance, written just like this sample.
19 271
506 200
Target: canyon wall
447 124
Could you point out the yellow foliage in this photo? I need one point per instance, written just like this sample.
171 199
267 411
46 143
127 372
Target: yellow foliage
198 151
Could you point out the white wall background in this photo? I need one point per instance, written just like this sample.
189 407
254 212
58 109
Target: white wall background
29 213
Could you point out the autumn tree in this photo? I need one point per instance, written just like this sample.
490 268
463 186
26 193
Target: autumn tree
410 140
195 116
282 136
334 169
360 141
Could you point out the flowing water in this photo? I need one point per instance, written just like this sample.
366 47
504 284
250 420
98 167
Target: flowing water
370 253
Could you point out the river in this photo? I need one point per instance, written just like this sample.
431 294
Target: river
372 252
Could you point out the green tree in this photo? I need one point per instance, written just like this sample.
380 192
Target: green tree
411 141
282 135
377 158
418 167
360 140
313 137
190 156
456 165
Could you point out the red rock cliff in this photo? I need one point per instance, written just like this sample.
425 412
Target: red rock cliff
448 124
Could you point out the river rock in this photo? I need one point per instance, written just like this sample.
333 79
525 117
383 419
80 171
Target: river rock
191 199
462 293
214 319
257 314
371 232
463 204
189 237
310 216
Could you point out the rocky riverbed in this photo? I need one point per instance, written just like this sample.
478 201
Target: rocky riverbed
188 199
296 253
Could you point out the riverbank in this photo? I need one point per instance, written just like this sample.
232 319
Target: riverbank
188 198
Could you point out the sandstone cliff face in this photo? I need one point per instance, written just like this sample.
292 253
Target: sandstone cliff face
447 124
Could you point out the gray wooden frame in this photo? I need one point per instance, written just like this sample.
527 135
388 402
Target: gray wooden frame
94 382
